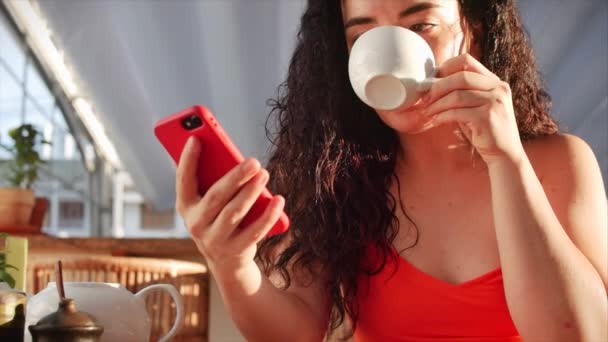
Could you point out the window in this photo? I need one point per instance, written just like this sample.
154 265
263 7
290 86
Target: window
71 214
10 106
12 53
26 98
153 219
80 186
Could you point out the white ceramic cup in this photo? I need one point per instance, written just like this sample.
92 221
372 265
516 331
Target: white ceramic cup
390 66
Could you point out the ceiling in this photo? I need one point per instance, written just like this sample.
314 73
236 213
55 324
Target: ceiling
141 60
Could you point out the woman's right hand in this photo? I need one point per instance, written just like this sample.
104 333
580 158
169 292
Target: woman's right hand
213 219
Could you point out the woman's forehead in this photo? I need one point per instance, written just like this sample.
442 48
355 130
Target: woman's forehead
398 9
351 8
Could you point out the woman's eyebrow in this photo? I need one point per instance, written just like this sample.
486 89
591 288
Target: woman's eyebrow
419 7
422 6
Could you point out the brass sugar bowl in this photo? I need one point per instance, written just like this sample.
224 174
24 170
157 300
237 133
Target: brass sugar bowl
67 324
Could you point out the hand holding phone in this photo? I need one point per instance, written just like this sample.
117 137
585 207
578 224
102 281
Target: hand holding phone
218 192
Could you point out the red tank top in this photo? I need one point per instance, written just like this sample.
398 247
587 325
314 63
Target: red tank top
410 305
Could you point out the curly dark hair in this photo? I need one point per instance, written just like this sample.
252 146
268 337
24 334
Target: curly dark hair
334 158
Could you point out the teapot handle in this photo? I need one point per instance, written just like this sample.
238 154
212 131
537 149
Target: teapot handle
179 306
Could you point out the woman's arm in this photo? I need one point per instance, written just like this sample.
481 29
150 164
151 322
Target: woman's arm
552 250
552 241
263 312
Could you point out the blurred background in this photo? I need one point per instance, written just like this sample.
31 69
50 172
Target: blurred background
95 75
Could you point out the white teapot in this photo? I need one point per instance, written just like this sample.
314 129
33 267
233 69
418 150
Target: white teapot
122 314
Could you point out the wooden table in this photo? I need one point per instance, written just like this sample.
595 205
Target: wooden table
171 248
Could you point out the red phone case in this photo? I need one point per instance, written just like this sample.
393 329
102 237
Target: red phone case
218 156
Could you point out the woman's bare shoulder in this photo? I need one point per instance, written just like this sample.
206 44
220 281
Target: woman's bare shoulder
561 154
571 177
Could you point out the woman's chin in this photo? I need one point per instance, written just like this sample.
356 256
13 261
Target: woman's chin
406 121
411 125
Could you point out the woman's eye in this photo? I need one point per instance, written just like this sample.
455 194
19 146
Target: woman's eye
416 28
421 27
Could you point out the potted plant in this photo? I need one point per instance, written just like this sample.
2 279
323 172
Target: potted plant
18 200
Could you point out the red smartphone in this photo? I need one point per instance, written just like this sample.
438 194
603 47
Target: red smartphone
218 155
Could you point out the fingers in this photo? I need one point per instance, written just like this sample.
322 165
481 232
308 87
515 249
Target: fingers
464 62
213 218
223 190
258 230
199 213
235 210
465 84
186 182
462 116
457 99
459 81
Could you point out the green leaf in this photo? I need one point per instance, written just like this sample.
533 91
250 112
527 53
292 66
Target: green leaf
23 169
4 265
7 278
7 266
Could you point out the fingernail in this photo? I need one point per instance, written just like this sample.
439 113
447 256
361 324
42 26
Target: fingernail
281 201
263 177
250 165
192 141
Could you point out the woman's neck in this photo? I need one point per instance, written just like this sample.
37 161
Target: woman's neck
434 153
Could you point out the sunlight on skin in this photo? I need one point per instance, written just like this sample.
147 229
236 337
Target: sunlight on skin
464 140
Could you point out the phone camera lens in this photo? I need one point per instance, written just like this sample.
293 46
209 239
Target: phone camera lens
191 122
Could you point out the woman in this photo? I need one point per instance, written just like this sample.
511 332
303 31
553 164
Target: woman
465 217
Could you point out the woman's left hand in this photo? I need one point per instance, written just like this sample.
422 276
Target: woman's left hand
480 103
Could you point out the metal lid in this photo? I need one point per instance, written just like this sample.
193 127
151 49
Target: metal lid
67 318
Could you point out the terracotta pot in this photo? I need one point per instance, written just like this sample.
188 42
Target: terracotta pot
16 206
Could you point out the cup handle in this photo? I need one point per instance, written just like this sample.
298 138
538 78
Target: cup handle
179 306
425 85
